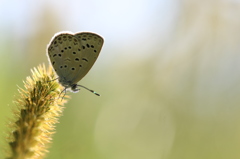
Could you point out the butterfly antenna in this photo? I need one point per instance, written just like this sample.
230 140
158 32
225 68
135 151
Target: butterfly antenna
89 90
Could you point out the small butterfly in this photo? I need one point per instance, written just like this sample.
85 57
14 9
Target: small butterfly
73 55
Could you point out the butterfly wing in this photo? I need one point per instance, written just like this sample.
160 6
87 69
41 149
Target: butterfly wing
61 51
90 47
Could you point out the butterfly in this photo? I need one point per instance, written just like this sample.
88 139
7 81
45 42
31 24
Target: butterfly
73 55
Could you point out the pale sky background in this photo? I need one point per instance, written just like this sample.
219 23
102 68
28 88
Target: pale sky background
119 22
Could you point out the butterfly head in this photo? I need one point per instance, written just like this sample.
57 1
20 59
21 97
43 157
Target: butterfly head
69 85
74 88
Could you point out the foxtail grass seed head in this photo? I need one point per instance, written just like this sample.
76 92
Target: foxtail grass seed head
39 106
40 102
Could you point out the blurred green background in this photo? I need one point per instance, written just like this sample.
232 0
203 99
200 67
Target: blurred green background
168 75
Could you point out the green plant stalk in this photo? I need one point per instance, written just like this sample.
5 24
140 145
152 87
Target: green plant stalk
38 108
